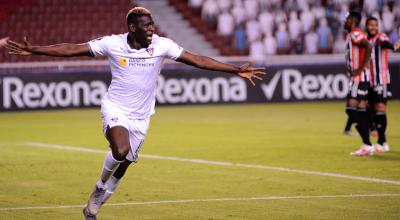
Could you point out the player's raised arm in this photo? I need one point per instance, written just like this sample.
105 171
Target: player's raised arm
246 71
57 50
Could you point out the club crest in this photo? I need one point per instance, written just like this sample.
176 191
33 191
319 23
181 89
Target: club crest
114 120
150 50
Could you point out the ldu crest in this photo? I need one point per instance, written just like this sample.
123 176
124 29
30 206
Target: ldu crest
150 50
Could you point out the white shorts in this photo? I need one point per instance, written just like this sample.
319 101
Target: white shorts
112 116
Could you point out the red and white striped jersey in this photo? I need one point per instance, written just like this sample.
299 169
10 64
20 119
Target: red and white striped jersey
355 55
379 64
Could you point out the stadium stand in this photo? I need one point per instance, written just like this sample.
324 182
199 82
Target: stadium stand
53 21
234 27
282 26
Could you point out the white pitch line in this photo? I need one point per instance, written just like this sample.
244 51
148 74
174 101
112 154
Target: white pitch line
266 198
220 163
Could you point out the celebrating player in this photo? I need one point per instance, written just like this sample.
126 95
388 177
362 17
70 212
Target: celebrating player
357 57
136 59
380 78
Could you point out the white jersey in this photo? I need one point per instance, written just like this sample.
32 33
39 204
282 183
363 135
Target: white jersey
134 72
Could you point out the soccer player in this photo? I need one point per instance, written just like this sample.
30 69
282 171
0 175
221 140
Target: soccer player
136 59
358 54
380 78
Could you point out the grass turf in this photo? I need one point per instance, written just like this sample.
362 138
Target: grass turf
299 136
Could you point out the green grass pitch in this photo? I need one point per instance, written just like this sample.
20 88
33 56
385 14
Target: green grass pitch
303 136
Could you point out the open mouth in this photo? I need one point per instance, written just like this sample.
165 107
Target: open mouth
149 37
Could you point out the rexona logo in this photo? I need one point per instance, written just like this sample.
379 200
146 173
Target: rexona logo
307 87
53 94
201 90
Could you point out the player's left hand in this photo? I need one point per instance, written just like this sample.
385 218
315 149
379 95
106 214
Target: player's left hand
19 48
249 72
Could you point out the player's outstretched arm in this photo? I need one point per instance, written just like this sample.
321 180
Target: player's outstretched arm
246 71
393 46
57 50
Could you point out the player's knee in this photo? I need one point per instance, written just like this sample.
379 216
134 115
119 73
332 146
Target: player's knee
380 107
352 103
120 151
362 105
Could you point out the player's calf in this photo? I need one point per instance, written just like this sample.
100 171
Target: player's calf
115 179
380 120
96 197
351 112
119 142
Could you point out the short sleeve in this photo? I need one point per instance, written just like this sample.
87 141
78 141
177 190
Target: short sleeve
383 38
357 36
172 49
99 46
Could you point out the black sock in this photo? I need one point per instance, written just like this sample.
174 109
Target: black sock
381 123
351 112
372 126
363 126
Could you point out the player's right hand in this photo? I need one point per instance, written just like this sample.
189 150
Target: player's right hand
19 48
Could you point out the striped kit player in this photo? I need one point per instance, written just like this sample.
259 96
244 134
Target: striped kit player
357 61
380 79
379 66
355 55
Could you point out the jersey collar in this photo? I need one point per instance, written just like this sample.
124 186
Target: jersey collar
128 48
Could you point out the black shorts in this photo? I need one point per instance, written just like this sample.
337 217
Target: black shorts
358 90
380 93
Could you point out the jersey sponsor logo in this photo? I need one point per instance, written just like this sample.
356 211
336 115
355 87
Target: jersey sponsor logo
30 95
123 62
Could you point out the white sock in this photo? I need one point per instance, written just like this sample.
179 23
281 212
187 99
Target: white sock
111 185
109 166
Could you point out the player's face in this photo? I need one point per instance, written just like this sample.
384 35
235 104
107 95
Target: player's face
348 23
145 29
372 27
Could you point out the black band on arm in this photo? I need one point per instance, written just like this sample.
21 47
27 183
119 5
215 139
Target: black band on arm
388 45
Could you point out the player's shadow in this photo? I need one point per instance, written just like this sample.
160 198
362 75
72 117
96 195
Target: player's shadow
392 155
